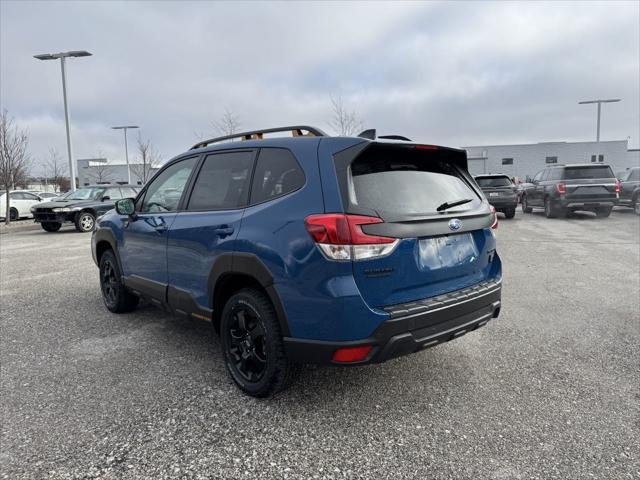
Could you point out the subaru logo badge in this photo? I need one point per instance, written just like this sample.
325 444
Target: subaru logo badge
455 224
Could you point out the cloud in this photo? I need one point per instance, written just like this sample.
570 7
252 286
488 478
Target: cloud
455 73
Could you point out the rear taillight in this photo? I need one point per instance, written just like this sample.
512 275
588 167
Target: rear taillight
426 147
617 186
351 354
561 187
494 225
340 237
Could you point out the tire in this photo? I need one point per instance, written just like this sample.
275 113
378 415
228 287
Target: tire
252 345
603 212
13 214
51 226
525 205
549 211
115 295
636 206
510 212
85 222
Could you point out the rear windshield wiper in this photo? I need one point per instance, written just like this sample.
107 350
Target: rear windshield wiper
447 205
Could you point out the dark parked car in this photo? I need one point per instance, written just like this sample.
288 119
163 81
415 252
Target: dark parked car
81 207
560 189
630 189
307 249
501 193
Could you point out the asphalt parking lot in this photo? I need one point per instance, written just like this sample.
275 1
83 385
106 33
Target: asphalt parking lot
548 390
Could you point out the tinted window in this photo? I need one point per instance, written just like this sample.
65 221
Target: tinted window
555 174
223 182
488 182
576 173
406 183
277 173
163 194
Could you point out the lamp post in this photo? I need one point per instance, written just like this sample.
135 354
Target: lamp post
63 56
126 148
599 102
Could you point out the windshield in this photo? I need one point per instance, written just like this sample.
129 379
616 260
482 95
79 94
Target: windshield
86 194
489 182
587 172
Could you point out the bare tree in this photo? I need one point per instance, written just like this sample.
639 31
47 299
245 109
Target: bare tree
228 124
14 158
149 159
344 121
100 172
57 168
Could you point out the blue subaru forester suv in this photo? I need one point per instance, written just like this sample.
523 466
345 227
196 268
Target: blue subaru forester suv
307 248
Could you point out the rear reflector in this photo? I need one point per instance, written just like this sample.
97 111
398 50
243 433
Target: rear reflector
340 237
351 354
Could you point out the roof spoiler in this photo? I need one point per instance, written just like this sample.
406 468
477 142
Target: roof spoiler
296 131
371 135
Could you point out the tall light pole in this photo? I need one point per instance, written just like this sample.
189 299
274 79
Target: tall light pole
599 102
63 56
126 148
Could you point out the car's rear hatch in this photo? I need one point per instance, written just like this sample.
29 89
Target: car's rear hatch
439 249
497 187
585 183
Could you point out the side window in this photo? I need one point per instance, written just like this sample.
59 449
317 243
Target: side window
538 176
112 193
16 196
277 173
128 192
555 174
634 176
223 182
29 196
163 194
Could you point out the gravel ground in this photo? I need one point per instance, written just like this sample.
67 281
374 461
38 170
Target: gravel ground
548 390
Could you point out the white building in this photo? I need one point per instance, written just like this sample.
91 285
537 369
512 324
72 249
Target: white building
527 159
92 171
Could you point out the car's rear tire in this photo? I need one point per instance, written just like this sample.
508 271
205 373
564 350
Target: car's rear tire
85 222
603 212
636 206
115 295
252 344
525 205
510 212
549 211
13 214
51 226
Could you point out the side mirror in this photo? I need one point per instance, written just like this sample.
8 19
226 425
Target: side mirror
126 206
106 197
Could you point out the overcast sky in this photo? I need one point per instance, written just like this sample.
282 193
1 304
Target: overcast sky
449 73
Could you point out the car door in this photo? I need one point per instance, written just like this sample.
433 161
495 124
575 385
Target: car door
144 236
208 227
533 193
28 200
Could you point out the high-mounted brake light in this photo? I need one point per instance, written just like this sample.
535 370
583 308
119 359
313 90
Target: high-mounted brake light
340 236
561 187
494 225
351 354
426 147
617 186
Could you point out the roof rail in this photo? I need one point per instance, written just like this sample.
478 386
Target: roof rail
372 135
296 130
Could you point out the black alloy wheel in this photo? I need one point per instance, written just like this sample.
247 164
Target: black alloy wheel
247 344
116 297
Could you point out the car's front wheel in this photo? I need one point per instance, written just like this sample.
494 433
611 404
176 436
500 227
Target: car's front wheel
115 295
525 205
636 205
51 226
252 344
85 222
13 214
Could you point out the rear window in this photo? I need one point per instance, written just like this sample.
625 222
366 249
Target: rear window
404 182
488 182
586 172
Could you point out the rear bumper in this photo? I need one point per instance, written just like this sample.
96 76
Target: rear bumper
504 203
586 203
412 327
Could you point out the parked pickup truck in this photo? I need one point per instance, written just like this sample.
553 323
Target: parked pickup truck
630 189
560 189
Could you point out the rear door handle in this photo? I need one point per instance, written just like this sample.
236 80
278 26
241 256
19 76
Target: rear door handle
223 231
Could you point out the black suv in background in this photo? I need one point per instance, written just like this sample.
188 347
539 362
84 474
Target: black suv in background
630 189
500 192
81 207
560 189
